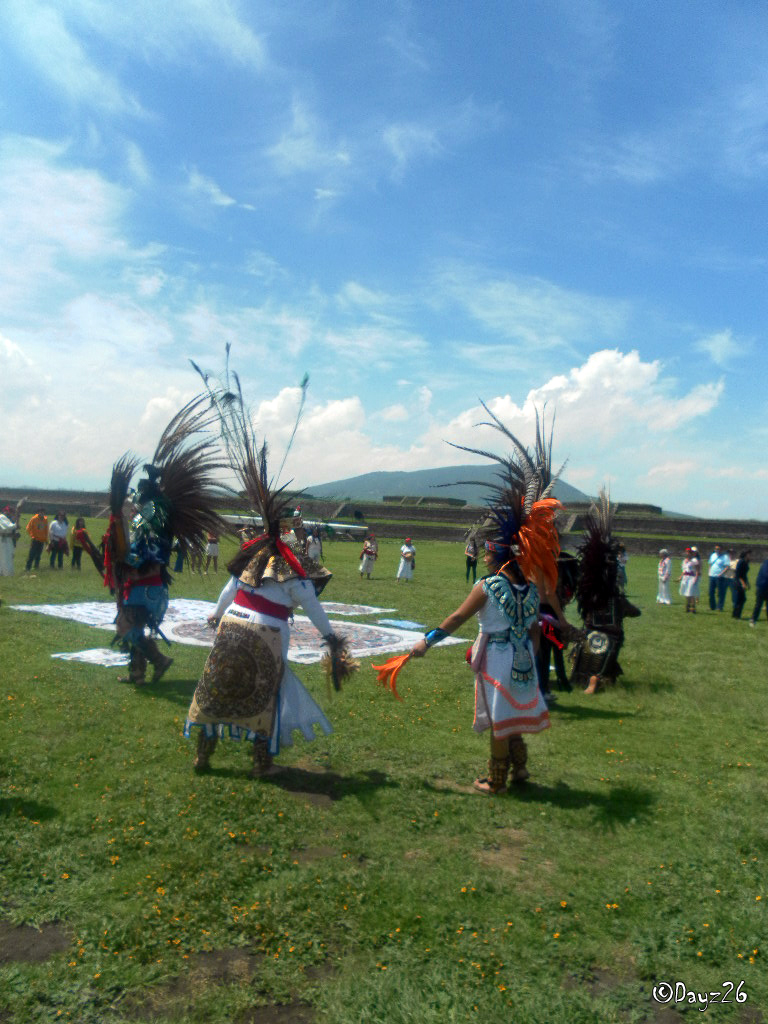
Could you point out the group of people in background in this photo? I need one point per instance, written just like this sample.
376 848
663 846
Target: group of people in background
57 539
725 574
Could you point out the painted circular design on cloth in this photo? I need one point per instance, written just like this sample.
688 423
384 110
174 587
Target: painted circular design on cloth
242 674
598 643
195 631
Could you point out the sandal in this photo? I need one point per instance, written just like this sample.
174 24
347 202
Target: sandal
484 786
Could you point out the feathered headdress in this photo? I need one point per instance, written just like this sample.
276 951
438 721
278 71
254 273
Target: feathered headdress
267 556
249 461
520 520
183 470
176 499
519 523
598 551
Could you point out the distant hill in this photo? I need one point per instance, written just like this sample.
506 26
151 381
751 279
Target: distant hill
424 482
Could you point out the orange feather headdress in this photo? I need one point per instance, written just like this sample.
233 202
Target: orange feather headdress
521 520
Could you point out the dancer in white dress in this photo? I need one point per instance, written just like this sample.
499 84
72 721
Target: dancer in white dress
248 689
407 561
665 571
368 555
521 548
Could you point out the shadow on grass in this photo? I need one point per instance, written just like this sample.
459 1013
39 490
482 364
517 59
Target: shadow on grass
175 691
331 785
621 805
580 711
30 809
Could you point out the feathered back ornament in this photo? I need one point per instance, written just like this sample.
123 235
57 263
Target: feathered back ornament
184 472
176 498
598 551
520 522
249 461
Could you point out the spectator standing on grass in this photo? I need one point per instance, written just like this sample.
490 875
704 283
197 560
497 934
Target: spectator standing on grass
77 547
621 568
14 514
665 571
368 555
212 552
315 546
740 584
719 562
37 528
7 532
471 552
57 539
761 593
730 575
407 561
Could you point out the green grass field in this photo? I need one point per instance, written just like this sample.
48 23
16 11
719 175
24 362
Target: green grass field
368 882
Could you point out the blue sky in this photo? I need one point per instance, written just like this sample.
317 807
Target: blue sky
419 204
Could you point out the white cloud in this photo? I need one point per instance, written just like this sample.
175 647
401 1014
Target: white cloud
199 184
11 356
256 332
160 409
137 164
375 345
42 35
150 285
394 414
408 142
530 310
721 347
262 265
436 133
54 220
354 295
301 148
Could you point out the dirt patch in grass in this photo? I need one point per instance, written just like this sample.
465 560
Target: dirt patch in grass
312 853
506 852
604 980
751 1015
218 967
221 967
289 1013
21 943
451 786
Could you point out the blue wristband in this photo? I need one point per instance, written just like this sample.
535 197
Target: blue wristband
434 636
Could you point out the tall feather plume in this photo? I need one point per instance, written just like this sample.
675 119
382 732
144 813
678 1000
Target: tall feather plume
248 459
519 509
122 473
597 558
186 465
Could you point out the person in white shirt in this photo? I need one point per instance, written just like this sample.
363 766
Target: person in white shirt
665 571
57 539
407 561
719 563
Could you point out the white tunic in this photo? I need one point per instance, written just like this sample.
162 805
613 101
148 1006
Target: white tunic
7 530
296 709
507 695
405 569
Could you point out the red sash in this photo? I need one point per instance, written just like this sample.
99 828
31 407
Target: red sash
256 603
